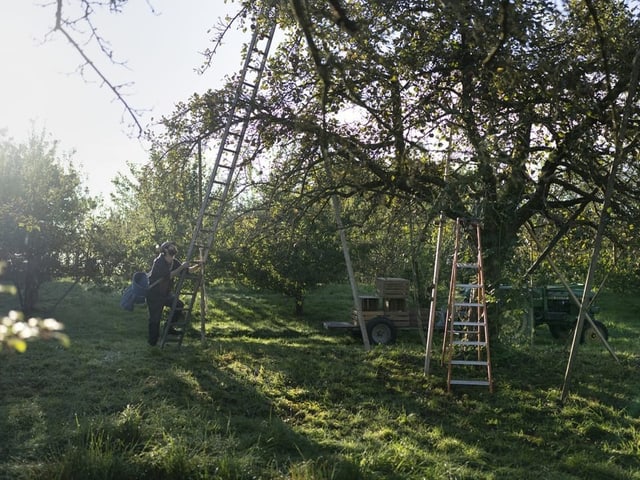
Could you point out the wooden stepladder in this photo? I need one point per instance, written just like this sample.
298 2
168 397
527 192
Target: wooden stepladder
465 347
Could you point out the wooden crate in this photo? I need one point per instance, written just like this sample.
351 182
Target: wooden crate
395 304
369 303
392 287
402 320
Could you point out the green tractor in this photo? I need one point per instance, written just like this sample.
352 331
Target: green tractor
553 306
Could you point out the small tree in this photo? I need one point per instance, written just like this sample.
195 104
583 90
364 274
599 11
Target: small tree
42 212
276 246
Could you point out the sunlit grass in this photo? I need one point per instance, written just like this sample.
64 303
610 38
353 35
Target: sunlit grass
273 396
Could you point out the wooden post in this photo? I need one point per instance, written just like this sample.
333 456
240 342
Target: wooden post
436 276
579 303
335 201
434 296
203 302
604 216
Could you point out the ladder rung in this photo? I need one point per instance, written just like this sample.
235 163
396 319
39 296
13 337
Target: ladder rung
471 343
469 362
178 324
470 382
468 285
468 304
468 324
221 181
257 49
467 265
468 335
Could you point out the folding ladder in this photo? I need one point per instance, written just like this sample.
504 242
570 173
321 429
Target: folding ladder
465 347
222 175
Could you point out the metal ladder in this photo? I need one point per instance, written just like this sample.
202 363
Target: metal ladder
465 348
222 176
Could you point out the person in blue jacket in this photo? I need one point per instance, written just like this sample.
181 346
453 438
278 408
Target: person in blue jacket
160 294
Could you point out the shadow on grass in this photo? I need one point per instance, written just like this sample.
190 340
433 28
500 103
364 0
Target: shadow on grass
273 396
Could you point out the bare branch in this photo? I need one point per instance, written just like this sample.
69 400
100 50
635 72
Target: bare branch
103 45
222 29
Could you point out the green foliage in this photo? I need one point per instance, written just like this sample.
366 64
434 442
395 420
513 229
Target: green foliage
273 396
280 243
158 201
507 95
42 215
506 112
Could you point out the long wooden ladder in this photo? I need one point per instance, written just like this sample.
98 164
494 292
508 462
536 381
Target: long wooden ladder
465 348
222 175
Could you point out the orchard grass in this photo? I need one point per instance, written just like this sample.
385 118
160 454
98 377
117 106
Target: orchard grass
272 396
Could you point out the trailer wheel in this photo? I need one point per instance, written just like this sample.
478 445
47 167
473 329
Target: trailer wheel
381 331
589 335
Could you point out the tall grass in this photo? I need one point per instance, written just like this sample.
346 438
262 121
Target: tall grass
273 396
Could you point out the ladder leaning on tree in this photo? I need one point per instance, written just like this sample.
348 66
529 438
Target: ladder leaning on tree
465 347
221 178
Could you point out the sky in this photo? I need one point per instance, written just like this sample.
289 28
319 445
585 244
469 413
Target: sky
41 88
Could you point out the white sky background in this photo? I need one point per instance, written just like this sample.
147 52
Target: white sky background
40 84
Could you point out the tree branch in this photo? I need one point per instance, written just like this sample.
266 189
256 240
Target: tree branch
60 27
222 29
